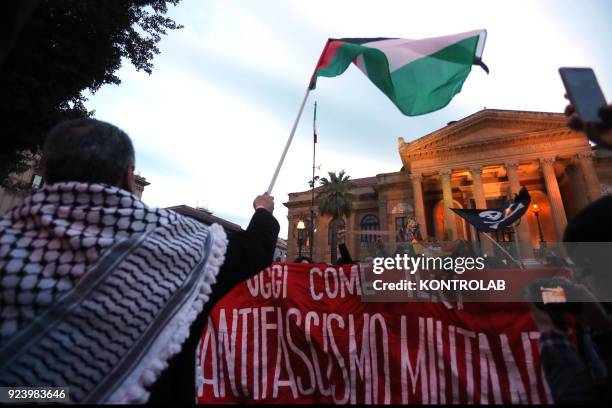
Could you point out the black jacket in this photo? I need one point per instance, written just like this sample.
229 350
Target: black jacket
578 375
248 252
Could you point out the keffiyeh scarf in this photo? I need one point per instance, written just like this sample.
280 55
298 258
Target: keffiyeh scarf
98 291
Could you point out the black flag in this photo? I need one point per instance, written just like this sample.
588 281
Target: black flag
496 220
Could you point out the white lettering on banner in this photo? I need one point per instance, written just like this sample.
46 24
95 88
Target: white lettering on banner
373 349
359 362
433 381
298 321
208 342
282 351
347 358
331 293
243 367
265 326
256 354
469 374
419 369
487 371
315 296
335 282
441 371
453 362
270 283
229 347
313 352
339 358
529 342
518 393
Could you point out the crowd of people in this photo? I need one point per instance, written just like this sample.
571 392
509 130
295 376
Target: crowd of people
122 290
580 371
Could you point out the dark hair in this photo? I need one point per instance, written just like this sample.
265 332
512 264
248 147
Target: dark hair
87 150
591 225
301 259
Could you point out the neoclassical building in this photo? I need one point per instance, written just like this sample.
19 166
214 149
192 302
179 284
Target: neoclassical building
480 161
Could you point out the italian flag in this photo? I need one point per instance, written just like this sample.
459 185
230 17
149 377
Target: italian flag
419 76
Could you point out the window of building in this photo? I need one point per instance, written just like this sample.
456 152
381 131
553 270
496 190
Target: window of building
369 223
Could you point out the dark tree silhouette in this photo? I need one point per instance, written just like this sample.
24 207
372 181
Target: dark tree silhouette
62 49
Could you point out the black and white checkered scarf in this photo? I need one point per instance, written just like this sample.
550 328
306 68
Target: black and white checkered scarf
98 291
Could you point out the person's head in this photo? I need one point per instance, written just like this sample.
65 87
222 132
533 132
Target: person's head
588 239
89 151
411 223
302 259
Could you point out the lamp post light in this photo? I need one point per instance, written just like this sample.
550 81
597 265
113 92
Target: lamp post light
300 227
536 210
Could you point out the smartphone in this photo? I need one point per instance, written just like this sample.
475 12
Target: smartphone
584 92
553 295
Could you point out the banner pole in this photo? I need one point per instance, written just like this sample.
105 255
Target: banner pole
282 158
312 199
520 264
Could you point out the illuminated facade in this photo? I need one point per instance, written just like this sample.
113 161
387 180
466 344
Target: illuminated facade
477 162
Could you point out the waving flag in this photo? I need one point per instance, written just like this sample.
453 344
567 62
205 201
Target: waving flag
496 220
419 76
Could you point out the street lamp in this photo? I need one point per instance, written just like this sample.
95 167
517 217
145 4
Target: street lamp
536 210
300 227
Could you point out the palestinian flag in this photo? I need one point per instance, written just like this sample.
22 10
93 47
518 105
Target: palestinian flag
419 76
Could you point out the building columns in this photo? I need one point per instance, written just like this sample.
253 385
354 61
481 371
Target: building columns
481 203
580 194
447 193
585 161
554 195
522 230
419 204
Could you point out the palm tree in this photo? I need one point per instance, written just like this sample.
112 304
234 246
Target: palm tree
335 200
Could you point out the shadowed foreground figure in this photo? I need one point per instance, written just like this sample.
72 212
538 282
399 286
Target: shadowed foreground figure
582 373
100 292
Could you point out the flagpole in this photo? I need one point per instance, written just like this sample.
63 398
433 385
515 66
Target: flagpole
520 264
312 200
282 158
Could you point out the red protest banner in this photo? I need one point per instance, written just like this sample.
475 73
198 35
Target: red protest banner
299 333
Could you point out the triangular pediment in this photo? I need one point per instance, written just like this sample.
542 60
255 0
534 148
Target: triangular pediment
488 132
486 126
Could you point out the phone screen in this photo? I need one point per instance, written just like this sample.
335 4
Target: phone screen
553 295
584 92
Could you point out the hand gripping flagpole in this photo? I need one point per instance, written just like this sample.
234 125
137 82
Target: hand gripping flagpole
282 158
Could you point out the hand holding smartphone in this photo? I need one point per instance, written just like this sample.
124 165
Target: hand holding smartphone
584 93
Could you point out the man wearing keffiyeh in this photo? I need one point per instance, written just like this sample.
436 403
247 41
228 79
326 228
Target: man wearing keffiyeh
103 294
